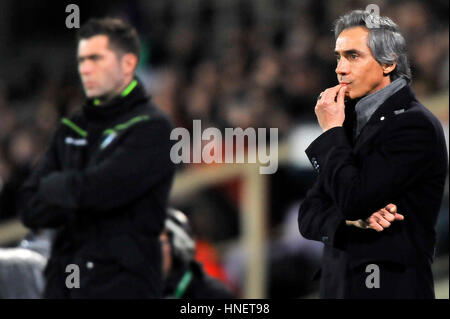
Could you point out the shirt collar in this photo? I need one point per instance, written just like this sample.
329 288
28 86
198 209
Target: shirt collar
370 103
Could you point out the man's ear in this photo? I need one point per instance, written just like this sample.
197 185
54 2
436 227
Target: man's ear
388 68
129 63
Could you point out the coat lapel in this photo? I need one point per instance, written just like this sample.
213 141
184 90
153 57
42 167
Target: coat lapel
394 105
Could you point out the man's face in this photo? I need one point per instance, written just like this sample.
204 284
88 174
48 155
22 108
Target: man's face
356 65
100 68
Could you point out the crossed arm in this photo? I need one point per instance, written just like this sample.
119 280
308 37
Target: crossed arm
319 218
52 196
34 211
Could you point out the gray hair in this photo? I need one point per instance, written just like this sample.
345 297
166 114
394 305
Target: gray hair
385 41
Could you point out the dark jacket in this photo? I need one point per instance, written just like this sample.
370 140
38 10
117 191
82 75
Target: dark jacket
400 157
191 282
104 184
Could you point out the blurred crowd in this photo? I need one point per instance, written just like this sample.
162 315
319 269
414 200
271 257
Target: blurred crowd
229 63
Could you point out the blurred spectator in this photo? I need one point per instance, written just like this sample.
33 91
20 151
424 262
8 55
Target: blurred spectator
21 267
184 276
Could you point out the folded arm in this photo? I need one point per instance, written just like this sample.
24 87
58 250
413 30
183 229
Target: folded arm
318 218
358 191
33 210
140 161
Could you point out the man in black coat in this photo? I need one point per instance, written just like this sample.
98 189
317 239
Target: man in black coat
105 179
387 157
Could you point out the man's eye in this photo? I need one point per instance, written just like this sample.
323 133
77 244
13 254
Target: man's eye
338 58
354 56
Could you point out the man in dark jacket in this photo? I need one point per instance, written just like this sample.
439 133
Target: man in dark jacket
185 277
389 154
105 179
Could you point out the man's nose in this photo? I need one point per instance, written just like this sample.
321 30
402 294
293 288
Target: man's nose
342 67
86 67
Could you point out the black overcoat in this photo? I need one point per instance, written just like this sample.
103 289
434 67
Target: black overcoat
103 184
400 157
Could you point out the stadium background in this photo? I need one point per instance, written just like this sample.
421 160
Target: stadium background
229 63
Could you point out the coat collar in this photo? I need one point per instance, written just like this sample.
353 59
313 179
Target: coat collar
396 104
118 105
367 106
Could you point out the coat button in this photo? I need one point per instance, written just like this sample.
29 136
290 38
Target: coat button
382 118
325 239
89 265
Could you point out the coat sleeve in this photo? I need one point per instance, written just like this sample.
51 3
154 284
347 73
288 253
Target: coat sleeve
140 161
395 164
318 218
33 210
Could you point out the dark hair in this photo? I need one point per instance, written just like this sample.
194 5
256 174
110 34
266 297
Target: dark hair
123 38
385 41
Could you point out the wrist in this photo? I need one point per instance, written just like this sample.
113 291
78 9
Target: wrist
324 129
